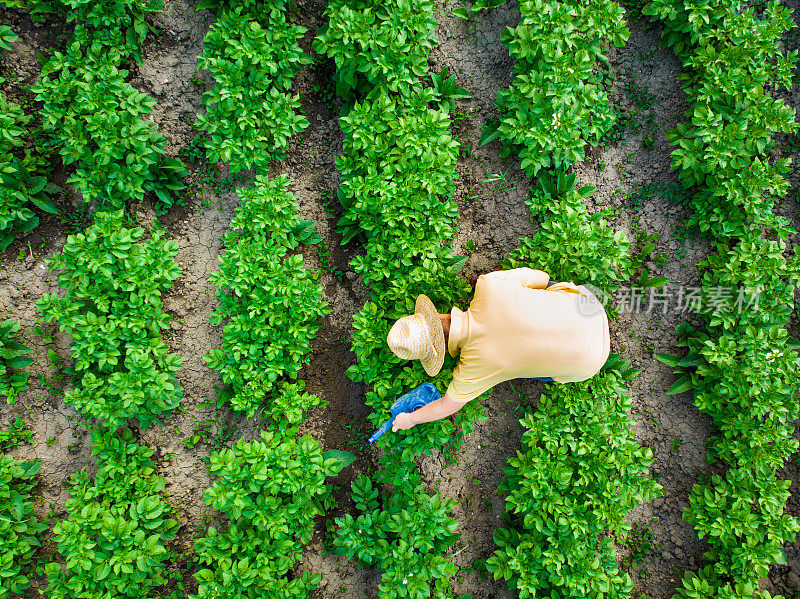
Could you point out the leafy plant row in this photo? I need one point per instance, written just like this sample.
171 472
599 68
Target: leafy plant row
742 365
579 472
12 358
405 534
397 182
19 527
270 490
94 116
113 279
580 469
270 302
253 53
556 103
20 187
113 539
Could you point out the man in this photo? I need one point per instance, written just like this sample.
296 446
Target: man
518 325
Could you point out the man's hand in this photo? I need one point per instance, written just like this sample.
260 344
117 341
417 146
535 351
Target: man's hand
402 422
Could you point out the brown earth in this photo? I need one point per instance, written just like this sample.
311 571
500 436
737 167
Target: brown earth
492 219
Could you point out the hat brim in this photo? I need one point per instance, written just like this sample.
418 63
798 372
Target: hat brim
424 307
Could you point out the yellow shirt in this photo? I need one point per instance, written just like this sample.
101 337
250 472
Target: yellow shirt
512 330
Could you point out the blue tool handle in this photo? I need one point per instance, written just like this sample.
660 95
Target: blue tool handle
414 399
384 427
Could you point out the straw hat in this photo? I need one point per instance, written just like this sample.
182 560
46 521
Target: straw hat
420 336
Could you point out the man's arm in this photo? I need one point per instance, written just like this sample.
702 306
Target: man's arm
436 410
529 277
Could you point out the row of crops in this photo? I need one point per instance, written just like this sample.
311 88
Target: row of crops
397 181
580 469
113 538
741 366
116 538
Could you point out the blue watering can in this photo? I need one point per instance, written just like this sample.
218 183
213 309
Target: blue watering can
416 398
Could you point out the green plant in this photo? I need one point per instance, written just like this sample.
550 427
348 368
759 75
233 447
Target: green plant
589 250
383 46
272 490
396 192
727 154
740 366
323 253
112 309
566 488
270 301
404 535
12 359
76 220
640 543
629 120
18 432
446 90
465 13
94 116
250 117
555 105
201 431
20 189
113 537
19 527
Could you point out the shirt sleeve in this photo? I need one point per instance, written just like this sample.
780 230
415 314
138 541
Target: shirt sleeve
465 394
462 389
529 277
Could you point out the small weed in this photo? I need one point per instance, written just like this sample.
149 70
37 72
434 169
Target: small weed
327 203
202 431
199 83
49 441
793 144
324 254
499 185
640 543
630 119
76 220
18 432
676 443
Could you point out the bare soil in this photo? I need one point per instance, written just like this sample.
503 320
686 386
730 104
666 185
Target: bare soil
492 219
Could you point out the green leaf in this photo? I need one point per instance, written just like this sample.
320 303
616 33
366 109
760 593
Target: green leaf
655 282
20 362
490 132
682 385
345 457
458 263
44 203
667 359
